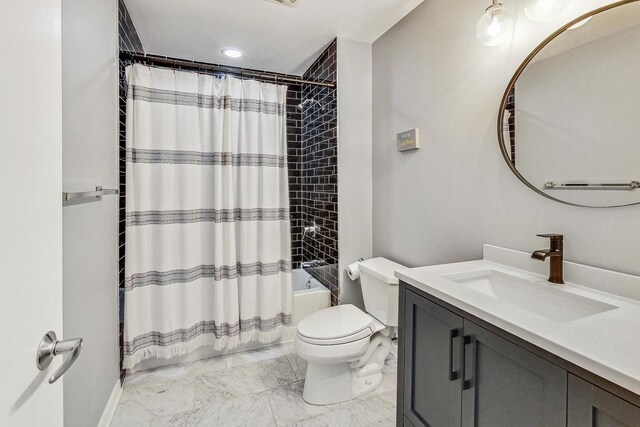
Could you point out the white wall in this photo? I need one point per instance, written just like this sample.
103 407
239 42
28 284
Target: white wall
442 202
354 162
90 158
576 116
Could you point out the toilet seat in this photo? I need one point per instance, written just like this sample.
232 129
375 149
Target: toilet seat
340 324
365 333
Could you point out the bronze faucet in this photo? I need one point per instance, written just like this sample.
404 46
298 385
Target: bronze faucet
555 252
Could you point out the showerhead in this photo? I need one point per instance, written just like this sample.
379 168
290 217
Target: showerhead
309 101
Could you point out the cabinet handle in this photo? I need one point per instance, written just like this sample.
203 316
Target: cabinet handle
453 333
469 383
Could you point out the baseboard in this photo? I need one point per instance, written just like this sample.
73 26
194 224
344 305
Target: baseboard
112 405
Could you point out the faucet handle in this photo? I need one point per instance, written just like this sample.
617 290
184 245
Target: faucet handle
557 241
551 236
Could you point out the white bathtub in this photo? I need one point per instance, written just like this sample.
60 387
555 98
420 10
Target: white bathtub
309 295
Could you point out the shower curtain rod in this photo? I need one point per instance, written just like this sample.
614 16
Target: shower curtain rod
196 66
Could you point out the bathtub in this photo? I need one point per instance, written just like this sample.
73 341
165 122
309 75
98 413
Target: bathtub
309 295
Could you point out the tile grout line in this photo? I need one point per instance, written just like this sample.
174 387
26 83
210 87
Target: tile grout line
273 415
195 383
295 375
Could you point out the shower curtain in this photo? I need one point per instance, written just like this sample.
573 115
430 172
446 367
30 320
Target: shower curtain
208 247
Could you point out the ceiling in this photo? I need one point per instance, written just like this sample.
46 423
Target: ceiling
273 37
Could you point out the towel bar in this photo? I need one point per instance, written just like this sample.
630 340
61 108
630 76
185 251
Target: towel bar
633 185
77 198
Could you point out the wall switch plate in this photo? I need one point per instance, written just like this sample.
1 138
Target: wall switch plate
408 140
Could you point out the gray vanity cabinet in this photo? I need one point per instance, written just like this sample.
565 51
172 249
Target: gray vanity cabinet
459 374
506 385
591 406
453 372
432 360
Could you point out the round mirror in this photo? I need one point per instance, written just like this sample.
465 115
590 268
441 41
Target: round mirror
569 122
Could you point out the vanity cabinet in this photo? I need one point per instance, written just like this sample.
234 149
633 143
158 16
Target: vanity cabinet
459 374
506 385
592 406
454 372
432 375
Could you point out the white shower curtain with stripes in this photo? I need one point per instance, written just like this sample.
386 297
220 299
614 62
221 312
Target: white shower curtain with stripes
208 247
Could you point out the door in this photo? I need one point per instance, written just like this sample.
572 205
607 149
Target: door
505 385
591 406
31 208
432 363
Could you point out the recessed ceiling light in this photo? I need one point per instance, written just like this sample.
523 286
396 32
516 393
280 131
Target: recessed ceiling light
231 52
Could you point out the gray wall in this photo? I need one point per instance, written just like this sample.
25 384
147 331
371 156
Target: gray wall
89 51
441 203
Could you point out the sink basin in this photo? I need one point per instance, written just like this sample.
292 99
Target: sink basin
549 301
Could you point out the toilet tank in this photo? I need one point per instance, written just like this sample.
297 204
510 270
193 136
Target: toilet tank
380 289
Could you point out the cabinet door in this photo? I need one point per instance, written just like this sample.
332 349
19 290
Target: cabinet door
592 406
407 423
506 385
432 363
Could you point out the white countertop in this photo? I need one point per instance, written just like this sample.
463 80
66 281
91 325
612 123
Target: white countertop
607 343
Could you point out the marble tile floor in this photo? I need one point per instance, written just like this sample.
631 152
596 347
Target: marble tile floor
254 388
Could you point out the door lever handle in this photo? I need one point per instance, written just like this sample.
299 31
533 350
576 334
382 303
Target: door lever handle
50 347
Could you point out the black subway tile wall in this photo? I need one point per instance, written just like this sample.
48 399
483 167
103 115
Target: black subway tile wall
320 171
129 41
294 160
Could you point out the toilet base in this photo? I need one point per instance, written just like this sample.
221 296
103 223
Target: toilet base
337 382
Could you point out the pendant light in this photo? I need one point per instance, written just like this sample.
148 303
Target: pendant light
545 10
495 26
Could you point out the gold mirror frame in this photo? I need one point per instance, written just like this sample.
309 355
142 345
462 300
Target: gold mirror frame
511 85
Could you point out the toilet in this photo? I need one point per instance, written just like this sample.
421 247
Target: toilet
345 348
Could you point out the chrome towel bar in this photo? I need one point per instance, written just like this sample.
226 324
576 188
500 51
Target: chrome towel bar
633 185
77 198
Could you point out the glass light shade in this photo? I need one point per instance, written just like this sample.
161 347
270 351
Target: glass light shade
545 10
495 26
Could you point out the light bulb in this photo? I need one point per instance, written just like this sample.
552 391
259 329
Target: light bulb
495 26
545 10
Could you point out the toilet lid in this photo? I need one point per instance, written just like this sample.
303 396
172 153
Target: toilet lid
335 322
